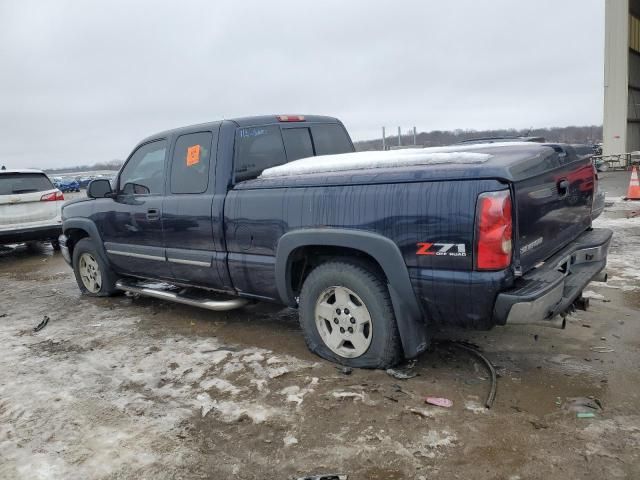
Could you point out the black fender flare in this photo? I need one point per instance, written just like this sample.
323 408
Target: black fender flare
89 227
409 316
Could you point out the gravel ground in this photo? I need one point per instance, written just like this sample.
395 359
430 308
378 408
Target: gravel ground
137 388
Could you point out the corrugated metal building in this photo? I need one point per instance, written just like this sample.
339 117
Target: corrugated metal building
622 77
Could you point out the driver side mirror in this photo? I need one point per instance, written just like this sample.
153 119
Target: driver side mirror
99 188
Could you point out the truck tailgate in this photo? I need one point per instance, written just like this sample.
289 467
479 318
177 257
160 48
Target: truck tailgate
553 208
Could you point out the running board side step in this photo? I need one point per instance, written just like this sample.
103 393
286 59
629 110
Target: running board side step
171 293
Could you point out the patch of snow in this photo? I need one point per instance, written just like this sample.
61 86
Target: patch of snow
474 407
433 439
295 394
221 385
277 372
377 159
354 395
77 402
206 403
259 383
592 294
230 412
254 357
289 440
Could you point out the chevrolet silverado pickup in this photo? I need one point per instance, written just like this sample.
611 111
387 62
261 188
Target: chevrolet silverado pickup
374 249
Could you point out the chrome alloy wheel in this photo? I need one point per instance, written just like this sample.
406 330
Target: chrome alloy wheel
343 321
90 272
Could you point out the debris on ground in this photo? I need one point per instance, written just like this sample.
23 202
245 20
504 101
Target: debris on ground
330 476
582 405
420 412
585 415
2 315
345 370
492 371
602 349
439 402
401 374
41 325
538 425
354 395
474 407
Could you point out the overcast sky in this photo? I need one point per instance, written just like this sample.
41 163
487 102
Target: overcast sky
83 81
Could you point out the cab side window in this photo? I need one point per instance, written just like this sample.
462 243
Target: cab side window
144 172
190 164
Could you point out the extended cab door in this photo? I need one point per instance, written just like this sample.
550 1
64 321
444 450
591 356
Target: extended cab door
192 216
130 224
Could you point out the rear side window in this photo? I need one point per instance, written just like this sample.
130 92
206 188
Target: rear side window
144 172
330 138
297 143
256 149
16 183
190 165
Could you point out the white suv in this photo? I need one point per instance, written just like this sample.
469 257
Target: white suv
29 207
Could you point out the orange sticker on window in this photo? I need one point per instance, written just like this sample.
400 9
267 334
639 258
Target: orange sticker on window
193 155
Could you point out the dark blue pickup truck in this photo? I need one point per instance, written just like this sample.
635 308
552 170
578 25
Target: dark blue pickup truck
373 248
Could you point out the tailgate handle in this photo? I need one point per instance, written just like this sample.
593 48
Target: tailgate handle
153 214
563 187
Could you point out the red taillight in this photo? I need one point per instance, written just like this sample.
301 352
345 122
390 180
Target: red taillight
290 118
494 228
52 197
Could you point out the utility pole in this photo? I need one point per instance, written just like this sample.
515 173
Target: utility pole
414 135
399 138
384 139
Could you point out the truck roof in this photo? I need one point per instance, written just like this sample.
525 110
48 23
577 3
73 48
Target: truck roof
245 122
509 161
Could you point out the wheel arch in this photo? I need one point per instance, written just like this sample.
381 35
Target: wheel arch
75 229
380 250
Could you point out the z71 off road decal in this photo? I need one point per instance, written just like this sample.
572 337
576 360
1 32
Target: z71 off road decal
448 249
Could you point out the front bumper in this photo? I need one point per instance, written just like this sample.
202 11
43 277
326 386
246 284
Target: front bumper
64 249
47 232
550 290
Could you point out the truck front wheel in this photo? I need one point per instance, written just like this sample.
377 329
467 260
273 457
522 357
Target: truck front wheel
347 316
94 276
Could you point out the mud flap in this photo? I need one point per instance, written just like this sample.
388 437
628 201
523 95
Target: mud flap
411 326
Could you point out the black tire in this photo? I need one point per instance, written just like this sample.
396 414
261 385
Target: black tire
107 277
384 350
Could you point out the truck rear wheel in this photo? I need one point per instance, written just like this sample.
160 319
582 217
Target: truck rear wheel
347 316
93 275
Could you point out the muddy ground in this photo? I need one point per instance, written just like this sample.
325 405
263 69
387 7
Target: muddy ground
138 388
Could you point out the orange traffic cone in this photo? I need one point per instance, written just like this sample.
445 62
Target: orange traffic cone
634 186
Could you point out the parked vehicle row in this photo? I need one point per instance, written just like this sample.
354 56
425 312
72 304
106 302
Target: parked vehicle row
66 184
373 248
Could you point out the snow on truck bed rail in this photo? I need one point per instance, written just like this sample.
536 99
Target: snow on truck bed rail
376 159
